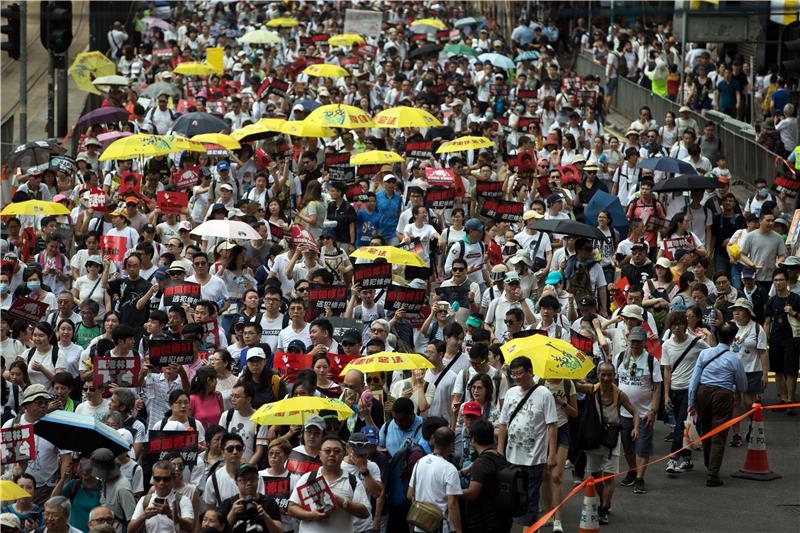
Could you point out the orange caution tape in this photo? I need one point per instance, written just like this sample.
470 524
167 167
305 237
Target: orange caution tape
543 519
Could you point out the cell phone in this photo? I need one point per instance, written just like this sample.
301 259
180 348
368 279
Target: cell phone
159 501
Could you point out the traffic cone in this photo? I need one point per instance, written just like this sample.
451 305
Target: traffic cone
756 465
590 519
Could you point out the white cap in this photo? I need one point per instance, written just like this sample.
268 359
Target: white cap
255 352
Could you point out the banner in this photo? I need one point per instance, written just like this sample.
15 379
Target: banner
440 177
582 343
124 371
27 309
452 294
17 444
171 203
113 247
363 22
278 87
489 189
63 163
505 210
96 200
289 364
300 463
322 297
411 300
440 197
316 495
419 150
373 276
186 179
569 176
181 292
342 325
130 182
163 352
338 166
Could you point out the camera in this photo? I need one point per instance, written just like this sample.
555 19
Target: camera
249 506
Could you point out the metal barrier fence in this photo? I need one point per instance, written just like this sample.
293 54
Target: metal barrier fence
746 159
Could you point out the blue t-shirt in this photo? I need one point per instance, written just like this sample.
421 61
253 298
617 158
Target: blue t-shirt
83 500
366 226
389 212
779 97
392 437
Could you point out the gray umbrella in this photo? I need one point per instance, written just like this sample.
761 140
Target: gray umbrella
192 124
157 89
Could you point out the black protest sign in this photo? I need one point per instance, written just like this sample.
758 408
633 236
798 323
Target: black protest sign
338 166
440 197
301 463
278 87
505 210
373 276
355 192
334 297
342 325
411 300
489 189
452 294
368 170
167 351
181 292
419 150
279 489
161 443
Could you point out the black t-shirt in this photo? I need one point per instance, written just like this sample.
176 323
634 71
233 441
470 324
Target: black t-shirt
482 514
639 274
251 522
344 215
723 228
780 330
129 292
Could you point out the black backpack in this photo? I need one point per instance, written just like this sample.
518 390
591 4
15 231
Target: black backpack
512 488
399 472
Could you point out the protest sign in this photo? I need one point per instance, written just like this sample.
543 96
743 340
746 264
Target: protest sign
7 268
289 364
96 200
124 371
652 344
316 495
161 443
355 192
366 171
794 229
275 232
210 340
419 150
440 177
526 94
372 276
569 176
113 247
453 294
300 463
341 325
278 87
333 297
363 22
338 166
171 203
489 189
66 232
27 309
17 444
619 291
63 163
676 243
163 352
440 197
181 292
302 236
130 182
279 489
582 343
398 297
338 362
505 210
185 179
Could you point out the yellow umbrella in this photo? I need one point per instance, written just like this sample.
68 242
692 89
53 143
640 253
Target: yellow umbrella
194 68
345 39
462 144
376 157
226 141
405 117
393 255
35 207
326 71
272 124
386 362
252 132
551 358
88 66
10 491
438 24
180 143
283 22
295 411
260 37
301 128
139 145
340 116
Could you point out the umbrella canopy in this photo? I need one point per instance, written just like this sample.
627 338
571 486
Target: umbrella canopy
192 124
568 227
602 200
33 154
340 116
462 144
301 128
226 229
551 358
10 491
157 89
527 56
108 81
498 60
88 66
326 71
295 411
194 68
345 39
307 105
283 22
687 183
667 164
460 50
257 131
139 145
155 22
103 115
260 37
181 143
433 23
463 23
111 136
225 141
79 433
425 50
376 157
272 124
387 362
35 207
393 255
405 117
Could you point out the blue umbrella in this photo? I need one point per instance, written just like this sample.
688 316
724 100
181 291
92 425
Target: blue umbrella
527 56
498 60
602 200
667 164
79 433
308 105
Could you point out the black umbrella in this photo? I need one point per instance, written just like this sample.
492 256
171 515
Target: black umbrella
103 115
687 183
426 50
667 164
33 154
192 124
568 227
79 433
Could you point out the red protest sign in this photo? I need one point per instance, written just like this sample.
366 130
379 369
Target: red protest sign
526 95
17 444
27 309
334 297
372 276
124 371
172 203
130 182
96 200
289 364
569 175
302 236
276 232
582 343
184 105
163 352
652 344
620 292
411 300
440 177
181 292
113 247
185 179
367 170
338 362
354 192
676 243
440 197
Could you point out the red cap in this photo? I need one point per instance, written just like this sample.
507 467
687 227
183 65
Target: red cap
472 408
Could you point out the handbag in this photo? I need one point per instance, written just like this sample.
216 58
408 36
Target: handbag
426 516
609 436
588 425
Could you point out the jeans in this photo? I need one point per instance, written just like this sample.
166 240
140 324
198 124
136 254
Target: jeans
736 276
535 475
680 406
721 263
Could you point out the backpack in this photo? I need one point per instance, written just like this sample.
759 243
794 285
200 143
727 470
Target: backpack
462 248
53 355
622 65
350 477
14 389
512 488
579 283
660 315
192 423
399 471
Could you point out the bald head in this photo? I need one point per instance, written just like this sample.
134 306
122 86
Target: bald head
354 379
101 515
443 440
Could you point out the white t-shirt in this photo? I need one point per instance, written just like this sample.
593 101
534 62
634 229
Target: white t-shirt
99 412
214 289
440 406
527 435
288 334
135 475
362 524
638 385
130 234
270 329
46 360
749 339
670 353
162 523
339 521
227 487
424 234
85 286
245 428
279 268
434 478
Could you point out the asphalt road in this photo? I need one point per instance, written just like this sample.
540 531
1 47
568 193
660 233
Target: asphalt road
682 503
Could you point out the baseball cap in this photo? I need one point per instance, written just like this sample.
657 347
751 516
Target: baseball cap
254 352
472 408
226 186
296 346
473 224
553 198
219 207
371 432
532 215
512 277
359 443
92 141
587 302
663 262
315 421
223 165
34 392
389 177
185 226
351 336
474 321
60 198
9 520
245 468
148 228
637 334
160 273
553 278
131 200
747 273
94 259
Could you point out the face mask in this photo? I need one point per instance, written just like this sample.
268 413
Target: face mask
520 108
33 285
762 193
3 288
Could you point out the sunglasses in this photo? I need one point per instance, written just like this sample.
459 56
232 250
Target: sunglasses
457 269
302 290
508 322
89 389
234 448
162 479
373 380
347 344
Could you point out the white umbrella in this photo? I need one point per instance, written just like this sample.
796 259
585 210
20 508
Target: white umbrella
114 79
260 37
226 229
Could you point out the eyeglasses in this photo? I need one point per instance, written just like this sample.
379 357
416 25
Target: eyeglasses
103 520
162 479
517 375
374 379
275 453
234 448
162 101
200 263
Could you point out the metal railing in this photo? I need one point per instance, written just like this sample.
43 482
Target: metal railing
746 159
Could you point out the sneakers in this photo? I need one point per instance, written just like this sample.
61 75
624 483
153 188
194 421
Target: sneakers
713 481
669 436
557 527
672 467
628 480
638 487
736 441
602 516
685 465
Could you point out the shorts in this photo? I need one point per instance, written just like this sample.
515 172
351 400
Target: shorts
754 383
611 87
784 357
643 446
564 440
603 460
